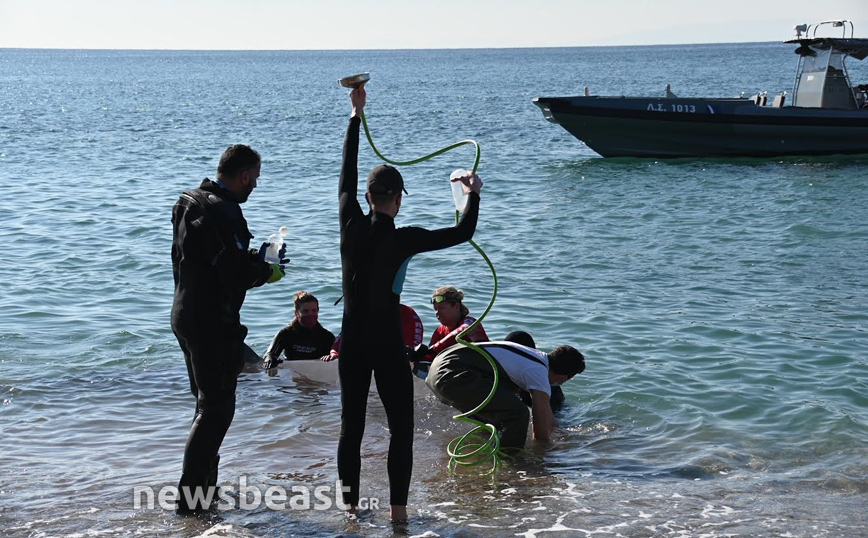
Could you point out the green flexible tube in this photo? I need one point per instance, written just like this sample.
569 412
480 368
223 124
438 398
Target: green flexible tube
472 448
420 159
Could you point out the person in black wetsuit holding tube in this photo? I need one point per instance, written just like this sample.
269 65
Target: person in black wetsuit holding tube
374 258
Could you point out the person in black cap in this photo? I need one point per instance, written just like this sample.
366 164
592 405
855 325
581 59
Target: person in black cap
374 258
213 269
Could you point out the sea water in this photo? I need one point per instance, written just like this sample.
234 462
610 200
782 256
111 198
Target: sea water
721 304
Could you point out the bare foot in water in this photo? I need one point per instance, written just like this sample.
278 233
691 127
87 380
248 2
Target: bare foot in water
398 513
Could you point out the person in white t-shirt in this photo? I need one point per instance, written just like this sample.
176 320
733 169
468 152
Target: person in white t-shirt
462 377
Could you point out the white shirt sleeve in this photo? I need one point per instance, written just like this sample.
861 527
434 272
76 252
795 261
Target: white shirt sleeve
527 373
535 379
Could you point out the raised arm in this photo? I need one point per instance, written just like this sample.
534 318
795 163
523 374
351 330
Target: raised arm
422 240
348 187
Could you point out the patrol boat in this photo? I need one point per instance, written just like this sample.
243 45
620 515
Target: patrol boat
828 115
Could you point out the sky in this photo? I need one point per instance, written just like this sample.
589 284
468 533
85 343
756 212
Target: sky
395 24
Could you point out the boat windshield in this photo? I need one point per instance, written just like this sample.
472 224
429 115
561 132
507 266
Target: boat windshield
822 81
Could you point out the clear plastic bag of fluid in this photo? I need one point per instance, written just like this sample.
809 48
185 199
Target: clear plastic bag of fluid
458 195
275 243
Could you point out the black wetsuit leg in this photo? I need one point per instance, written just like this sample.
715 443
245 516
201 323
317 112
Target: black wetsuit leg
355 376
214 389
395 386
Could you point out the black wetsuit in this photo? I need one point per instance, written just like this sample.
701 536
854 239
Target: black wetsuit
298 342
373 257
213 269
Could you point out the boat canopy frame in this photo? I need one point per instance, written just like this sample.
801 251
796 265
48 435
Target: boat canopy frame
822 79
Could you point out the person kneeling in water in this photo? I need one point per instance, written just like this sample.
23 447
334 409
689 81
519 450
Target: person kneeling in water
462 377
304 338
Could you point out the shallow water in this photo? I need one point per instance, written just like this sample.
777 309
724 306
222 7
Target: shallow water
720 303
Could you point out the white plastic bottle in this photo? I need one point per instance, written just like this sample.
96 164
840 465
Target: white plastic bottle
458 195
275 240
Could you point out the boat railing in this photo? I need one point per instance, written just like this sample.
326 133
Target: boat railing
809 28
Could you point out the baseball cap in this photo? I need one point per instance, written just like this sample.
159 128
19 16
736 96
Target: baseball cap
385 179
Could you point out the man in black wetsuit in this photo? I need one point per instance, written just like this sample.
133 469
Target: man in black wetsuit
213 269
374 258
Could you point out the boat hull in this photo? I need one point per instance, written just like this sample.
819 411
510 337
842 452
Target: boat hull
696 127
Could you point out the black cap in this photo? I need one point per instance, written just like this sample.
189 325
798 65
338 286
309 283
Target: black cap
385 179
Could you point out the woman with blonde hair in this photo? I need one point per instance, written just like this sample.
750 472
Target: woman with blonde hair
453 317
